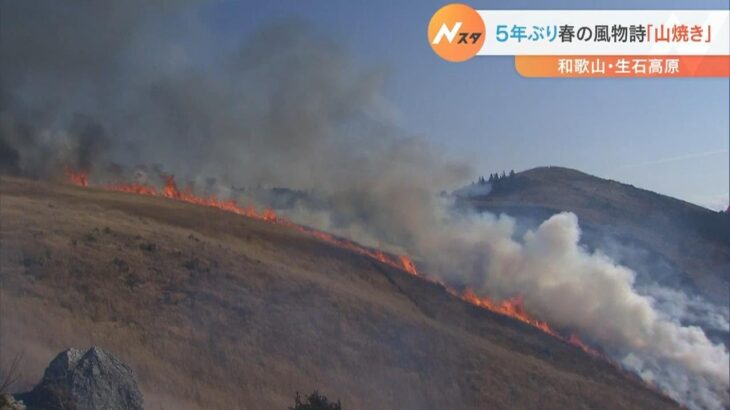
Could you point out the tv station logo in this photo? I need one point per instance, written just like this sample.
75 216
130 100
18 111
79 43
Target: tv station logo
588 43
456 32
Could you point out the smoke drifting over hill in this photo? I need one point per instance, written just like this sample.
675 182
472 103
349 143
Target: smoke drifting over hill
115 94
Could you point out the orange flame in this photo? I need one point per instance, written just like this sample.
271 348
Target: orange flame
170 190
132 188
515 308
77 176
512 307
408 265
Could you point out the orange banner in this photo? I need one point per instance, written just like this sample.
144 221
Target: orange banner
622 66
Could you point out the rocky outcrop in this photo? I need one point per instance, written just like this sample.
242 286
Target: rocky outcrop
8 402
85 380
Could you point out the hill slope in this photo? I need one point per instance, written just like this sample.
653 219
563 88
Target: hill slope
685 244
214 310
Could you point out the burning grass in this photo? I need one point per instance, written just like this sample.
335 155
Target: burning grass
512 307
213 310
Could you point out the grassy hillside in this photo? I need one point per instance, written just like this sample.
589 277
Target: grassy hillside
692 239
213 310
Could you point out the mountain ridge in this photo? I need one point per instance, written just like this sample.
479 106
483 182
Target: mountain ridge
693 239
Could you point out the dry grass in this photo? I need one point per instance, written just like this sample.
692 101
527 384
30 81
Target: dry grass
213 310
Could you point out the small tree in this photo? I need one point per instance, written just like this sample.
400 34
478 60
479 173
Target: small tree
511 173
314 401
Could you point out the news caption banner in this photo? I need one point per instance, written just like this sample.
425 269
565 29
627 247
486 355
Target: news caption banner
588 43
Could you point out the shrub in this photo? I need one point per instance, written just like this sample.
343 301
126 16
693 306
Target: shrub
314 401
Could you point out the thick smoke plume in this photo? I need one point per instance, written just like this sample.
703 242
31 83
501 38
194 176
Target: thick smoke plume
139 87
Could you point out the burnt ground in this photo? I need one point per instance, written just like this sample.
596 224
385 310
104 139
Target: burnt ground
213 310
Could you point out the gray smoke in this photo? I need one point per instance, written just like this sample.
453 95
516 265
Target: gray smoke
120 85
588 292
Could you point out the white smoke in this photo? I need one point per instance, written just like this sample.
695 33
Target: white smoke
302 115
573 288
694 309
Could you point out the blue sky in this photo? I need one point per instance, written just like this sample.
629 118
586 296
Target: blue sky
666 135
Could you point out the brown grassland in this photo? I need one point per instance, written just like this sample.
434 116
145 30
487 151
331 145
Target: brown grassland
217 311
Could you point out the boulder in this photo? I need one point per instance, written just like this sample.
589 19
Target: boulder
85 380
8 402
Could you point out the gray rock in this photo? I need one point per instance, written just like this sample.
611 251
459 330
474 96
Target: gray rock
85 380
8 402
